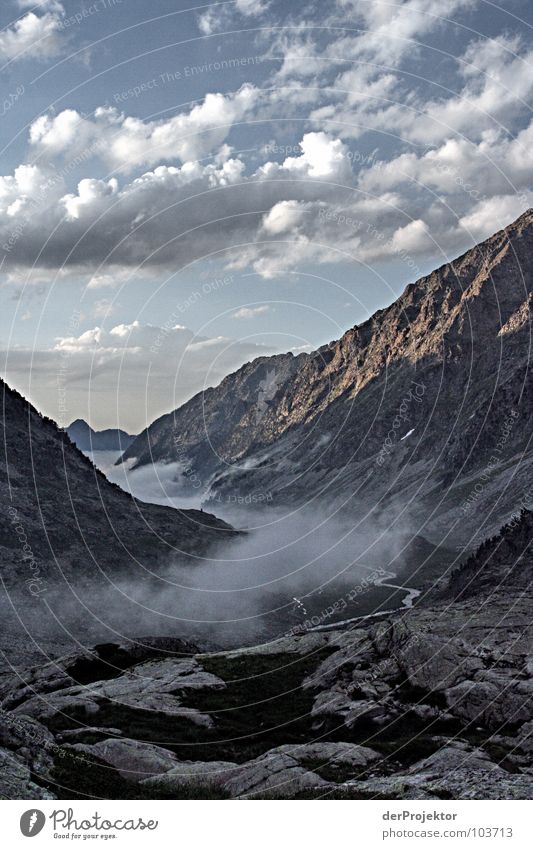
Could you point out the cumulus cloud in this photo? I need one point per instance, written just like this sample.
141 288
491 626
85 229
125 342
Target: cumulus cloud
322 157
444 158
125 142
42 5
317 202
351 83
103 280
412 238
498 86
220 17
140 369
168 216
283 217
495 213
393 27
466 172
33 36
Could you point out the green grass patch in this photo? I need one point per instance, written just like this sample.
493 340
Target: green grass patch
263 704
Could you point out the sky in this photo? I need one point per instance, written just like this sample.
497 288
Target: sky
186 187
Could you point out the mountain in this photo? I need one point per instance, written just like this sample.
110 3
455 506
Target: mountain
427 403
70 514
67 536
428 703
502 562
87 439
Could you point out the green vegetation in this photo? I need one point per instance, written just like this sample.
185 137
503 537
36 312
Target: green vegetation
263 705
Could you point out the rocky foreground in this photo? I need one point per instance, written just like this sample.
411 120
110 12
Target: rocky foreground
433 703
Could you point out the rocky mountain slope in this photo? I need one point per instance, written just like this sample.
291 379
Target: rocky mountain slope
65 529
428 402
430 703
67 508
87 439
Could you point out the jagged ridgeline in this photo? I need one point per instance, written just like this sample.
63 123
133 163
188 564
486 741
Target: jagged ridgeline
416 400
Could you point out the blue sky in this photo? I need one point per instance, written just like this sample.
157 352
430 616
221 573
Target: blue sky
184 188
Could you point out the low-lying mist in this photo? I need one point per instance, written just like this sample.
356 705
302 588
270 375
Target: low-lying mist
287 573
289 569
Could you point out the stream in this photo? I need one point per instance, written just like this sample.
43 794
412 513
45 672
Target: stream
384 581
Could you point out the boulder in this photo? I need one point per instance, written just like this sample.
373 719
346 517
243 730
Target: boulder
134 760
16 781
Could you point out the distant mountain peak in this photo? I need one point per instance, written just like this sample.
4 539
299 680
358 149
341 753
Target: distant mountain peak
89 440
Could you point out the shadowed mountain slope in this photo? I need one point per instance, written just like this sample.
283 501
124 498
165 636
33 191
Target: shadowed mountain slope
62 516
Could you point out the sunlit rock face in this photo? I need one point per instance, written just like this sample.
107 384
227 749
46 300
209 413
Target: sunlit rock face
427 399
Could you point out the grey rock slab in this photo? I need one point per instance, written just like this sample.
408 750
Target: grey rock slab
335 754
435 664
186 773
154 686
280 771
454 770
134 760
488 704
275 773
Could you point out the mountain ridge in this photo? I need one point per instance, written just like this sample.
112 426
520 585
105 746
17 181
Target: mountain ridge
298 426
71 515
87 439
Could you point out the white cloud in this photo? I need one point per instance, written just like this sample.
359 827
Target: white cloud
393 27
277 219
351 85
251 312
140 369
251 7
125 142
498 86
494 214
178 213
466 172
412 238
90 194
33 36
322 157
104 308
283 217
220 17
42 5
102 280
169 216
